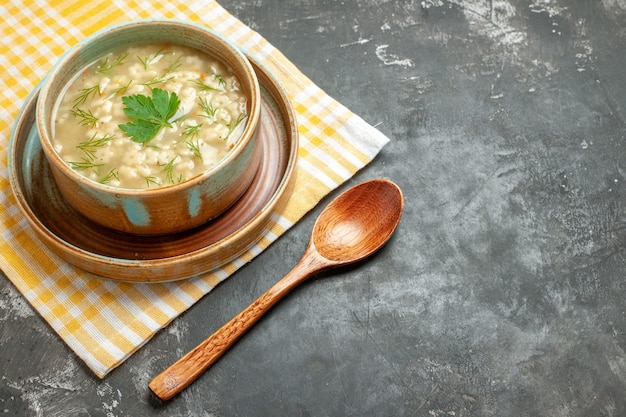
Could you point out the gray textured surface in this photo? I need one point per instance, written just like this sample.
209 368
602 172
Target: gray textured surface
502 293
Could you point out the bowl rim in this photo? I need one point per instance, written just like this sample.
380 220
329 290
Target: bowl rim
246 136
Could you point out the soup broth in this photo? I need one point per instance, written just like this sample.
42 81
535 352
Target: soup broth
149 116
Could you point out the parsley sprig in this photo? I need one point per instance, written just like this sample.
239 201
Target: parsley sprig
149 114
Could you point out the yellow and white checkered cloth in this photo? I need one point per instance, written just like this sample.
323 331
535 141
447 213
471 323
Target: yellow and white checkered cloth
101 320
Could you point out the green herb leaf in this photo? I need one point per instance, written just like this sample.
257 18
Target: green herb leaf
141 131
150 114
151 180
234 123
146 61
86 117
109 176
120 90
169 171
157 80
165 104
192 131
106 65
174 65
90 146
220 80
209 110
203 86
84 164
85 93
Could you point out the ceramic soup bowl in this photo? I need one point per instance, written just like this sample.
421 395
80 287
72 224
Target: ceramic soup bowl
158 102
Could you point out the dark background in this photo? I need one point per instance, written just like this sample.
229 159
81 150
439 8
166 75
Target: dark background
502 292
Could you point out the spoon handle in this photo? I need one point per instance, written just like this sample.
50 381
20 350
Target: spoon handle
188 368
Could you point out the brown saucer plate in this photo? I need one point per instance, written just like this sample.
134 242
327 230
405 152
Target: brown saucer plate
134 258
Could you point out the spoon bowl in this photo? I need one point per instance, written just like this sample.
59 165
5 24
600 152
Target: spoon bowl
352 227
358 222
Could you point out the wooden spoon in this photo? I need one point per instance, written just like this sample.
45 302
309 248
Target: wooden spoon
352 227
